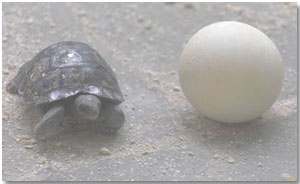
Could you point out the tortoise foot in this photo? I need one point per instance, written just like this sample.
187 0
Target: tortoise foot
50 124
114 118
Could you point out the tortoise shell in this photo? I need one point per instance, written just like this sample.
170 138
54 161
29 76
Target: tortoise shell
65 69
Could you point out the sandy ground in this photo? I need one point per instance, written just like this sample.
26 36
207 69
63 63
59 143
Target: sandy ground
164 138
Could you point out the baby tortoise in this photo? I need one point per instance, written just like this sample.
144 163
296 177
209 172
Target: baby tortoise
70 80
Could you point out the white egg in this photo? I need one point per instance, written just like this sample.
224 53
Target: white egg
231 72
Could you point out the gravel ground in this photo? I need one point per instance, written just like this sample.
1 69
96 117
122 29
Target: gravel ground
164 138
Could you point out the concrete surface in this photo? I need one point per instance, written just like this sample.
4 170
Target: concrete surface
164 138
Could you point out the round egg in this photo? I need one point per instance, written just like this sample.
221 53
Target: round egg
231 72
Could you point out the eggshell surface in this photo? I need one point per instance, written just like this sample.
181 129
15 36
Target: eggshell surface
231 72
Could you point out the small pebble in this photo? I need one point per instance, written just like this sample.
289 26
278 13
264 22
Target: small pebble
287 177
191 154
132 142
208 133
49 168
104 151
28 146
52 24
30 20
259 164
291 4
230 160
173 73
6 72
25 137
216 156
189 5
148 25
156 80
181 138
81 13
11 66
140 18
146 153
131 39
28 142
58 144
170 3
235 9
164 171
70 55
176 89
42 161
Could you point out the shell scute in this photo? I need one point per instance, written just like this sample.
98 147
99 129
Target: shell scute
66 69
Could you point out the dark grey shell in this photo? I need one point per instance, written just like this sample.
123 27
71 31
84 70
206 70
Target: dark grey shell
66 69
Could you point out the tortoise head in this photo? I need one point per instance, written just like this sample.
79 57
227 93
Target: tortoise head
87 107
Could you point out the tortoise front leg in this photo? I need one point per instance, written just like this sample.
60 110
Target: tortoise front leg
114 118
50 124
19 80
